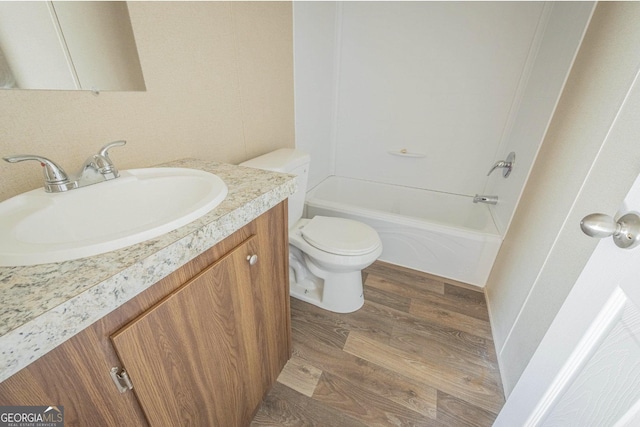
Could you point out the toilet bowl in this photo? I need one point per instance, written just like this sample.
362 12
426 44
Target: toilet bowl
326 254
335 260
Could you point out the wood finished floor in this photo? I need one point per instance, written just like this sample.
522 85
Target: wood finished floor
419 353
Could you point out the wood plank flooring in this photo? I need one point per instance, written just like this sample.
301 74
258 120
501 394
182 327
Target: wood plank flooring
419 353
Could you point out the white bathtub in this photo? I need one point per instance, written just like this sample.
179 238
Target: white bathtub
443 234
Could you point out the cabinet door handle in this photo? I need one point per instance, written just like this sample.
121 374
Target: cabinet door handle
252 259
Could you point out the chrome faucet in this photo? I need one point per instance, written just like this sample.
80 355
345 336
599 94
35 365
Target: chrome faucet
491 200
97 168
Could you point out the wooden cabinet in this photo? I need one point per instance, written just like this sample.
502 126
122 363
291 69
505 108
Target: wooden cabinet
211 343
202 347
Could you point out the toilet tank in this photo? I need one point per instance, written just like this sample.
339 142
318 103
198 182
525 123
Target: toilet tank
291 161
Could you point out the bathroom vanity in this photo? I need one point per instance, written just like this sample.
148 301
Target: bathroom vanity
191 328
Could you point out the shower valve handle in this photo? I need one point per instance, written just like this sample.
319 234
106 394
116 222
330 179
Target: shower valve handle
507 165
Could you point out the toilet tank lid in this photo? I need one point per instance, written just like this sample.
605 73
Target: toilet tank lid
281 160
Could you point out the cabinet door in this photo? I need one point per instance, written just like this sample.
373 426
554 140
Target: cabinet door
270 297
195 357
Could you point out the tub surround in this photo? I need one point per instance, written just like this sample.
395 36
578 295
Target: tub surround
44 305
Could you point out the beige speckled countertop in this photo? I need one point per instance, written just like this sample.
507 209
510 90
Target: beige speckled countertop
44 305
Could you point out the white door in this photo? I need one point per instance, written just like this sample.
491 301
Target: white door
586 371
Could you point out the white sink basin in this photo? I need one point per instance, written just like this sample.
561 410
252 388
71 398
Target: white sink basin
38 227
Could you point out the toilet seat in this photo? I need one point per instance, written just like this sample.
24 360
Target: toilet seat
340 236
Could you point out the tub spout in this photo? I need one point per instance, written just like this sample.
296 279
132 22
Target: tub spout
491 200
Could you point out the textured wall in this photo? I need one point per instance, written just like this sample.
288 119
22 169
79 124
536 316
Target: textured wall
219 79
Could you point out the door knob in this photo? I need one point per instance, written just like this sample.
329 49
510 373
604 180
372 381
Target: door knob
625 231
252 259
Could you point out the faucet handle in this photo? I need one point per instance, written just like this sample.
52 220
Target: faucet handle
55 178
507 165
499 164
106 165
104 151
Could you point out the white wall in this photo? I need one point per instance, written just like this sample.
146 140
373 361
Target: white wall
436 78
314 26
463 83
578 171
560 31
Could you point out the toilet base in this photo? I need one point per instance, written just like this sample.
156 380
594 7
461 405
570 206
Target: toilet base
337 289
347 297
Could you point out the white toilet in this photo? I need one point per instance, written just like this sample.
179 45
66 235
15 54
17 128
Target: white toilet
326 254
